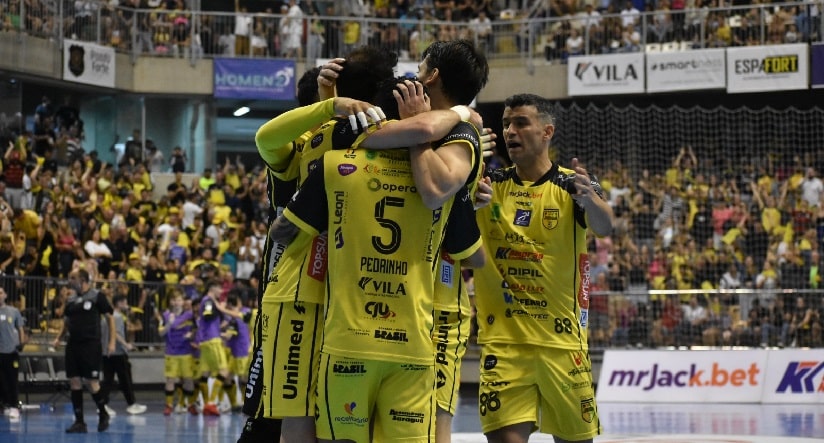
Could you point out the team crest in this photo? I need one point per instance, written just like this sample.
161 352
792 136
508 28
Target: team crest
76 60
550 219
587 409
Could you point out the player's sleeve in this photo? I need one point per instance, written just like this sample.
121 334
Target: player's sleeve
280 191
308 210
288 166
274 138
462 237
465 133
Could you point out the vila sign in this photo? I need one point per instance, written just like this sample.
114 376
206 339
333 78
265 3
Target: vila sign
606 74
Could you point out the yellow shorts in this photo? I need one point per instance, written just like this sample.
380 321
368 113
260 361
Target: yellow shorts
549 387
397 396
290 341
179 366
239 365
451 335
212 357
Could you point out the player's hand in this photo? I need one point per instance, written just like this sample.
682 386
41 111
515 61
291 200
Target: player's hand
411 98
329 72
488 144
475 118
483 195
583 185
359 113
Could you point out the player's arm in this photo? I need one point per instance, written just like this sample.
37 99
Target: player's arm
462 238
112 332
60 333
440 173
307 210
21 331
274 138
599 214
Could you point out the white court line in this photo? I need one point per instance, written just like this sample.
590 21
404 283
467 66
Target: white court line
661 438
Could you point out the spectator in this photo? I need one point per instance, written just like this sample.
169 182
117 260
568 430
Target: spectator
178 160
117 362
291 30
481 27
691 327
630 15
12 339
14 168
802 324
812 188
574 43
664 329
243 30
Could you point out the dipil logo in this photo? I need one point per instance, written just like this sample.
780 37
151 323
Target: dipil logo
799 377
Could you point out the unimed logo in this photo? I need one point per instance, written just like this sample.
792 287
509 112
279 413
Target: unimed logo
693 376
799 378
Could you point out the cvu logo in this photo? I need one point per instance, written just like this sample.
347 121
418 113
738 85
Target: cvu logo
378 309
799 377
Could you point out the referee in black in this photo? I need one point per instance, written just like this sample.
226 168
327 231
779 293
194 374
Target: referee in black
83 351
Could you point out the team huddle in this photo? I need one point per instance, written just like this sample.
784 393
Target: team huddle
364 316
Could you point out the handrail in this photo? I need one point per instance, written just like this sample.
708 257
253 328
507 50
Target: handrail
151 32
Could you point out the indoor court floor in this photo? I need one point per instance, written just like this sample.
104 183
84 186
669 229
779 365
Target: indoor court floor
623 423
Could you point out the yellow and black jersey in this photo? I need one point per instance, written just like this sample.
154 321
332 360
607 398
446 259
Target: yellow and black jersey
383 250
534 288
298 271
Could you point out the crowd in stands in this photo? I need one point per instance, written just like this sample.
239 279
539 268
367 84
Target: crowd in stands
558 28
755 226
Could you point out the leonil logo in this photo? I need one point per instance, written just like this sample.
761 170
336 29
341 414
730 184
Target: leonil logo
345 169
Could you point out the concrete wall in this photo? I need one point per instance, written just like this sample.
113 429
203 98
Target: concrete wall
172 76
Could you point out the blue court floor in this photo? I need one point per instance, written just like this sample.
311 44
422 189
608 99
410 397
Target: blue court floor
623 423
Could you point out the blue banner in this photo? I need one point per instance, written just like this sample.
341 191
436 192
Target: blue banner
817 71
254 79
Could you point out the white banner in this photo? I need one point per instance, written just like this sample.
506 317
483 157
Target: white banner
767 68
606 74
682 377
687 70
794 376
88 63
